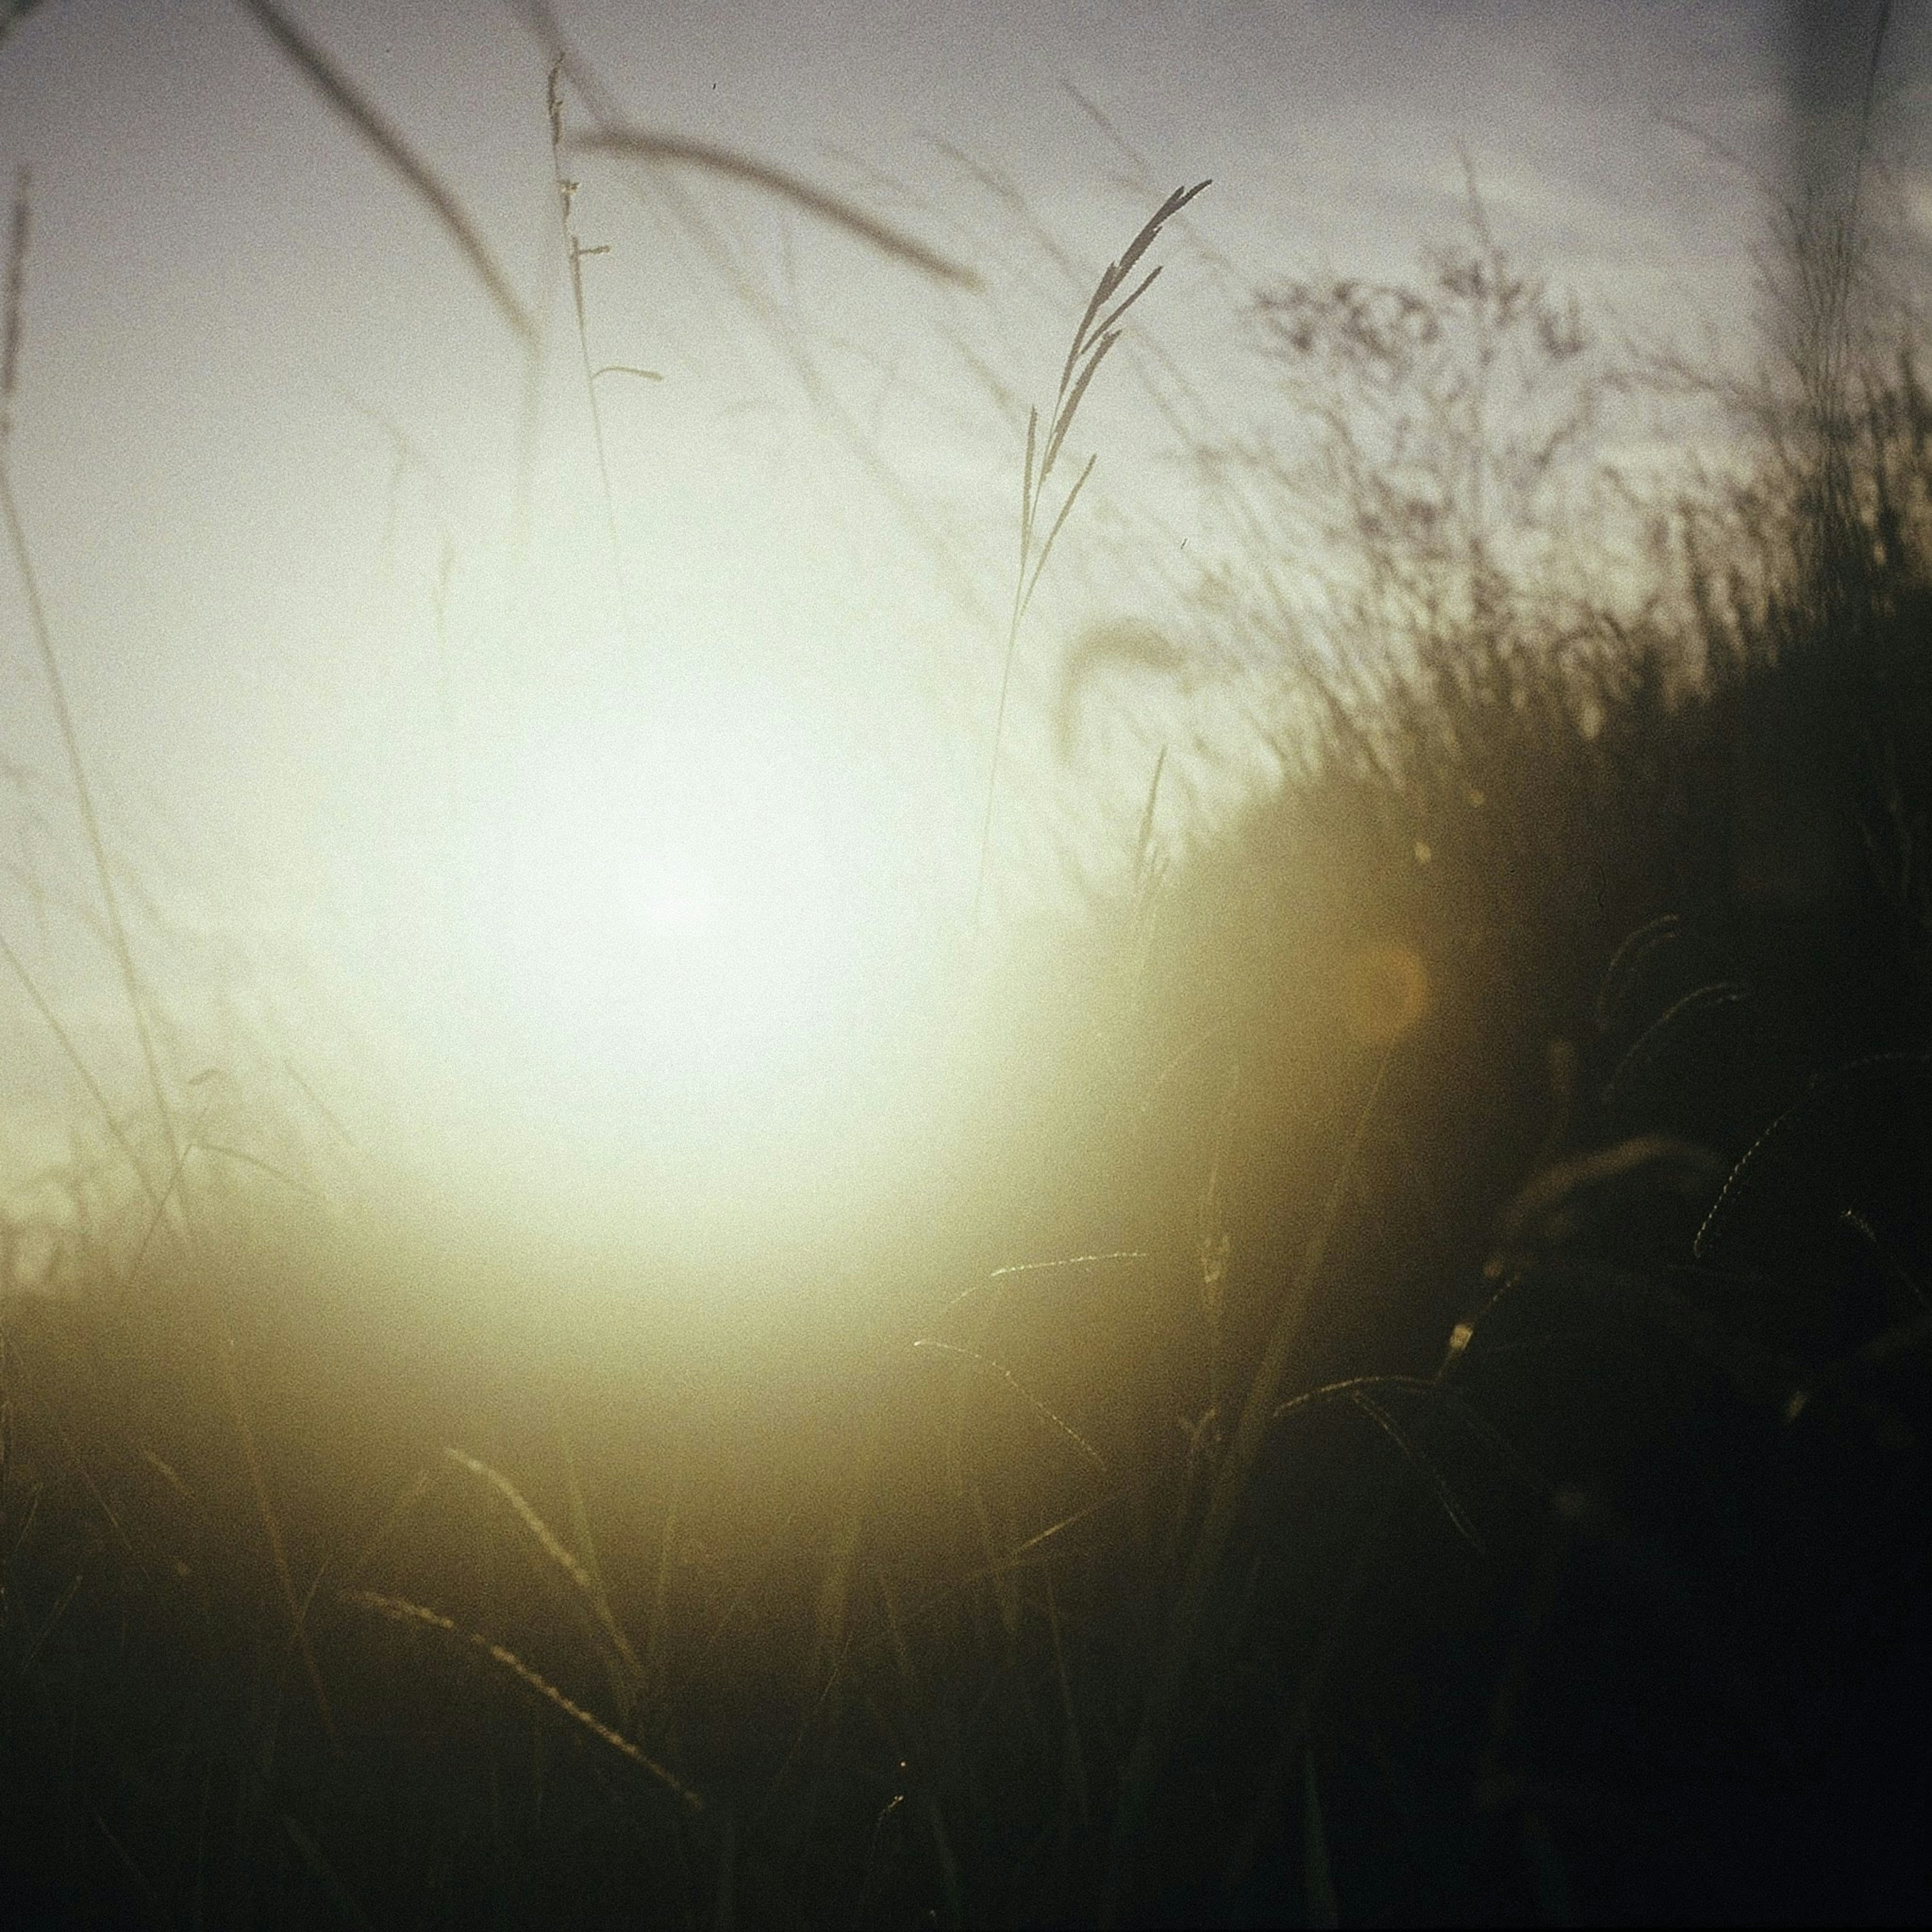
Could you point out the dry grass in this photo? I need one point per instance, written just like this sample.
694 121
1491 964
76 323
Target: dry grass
347 101
1096 334
1506 1164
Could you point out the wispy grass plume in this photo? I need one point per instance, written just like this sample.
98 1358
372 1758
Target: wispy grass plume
1095 337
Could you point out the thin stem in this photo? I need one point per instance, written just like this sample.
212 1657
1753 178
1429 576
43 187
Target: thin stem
347 101
70 739
66 1042
1088 351
1231 1485
1029 502
575 252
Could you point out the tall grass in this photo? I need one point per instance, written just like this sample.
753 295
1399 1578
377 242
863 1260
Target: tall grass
1448 1437
1099 331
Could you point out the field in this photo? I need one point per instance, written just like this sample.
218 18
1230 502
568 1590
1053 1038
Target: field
1404 1396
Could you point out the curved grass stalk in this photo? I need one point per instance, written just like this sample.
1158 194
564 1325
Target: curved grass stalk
401 1610
347 102
620 1660
1092 341
639 144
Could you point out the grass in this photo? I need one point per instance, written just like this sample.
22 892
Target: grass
1096 334
1449 1440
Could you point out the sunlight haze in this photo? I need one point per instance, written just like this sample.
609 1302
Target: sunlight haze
647 816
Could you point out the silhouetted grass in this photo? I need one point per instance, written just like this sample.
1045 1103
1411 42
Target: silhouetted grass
1428 1418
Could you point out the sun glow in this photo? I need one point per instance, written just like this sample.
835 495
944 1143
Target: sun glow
654 923
659 927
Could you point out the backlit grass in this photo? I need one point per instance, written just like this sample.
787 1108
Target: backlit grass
1404 1398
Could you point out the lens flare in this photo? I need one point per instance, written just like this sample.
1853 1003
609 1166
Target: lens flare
1384 992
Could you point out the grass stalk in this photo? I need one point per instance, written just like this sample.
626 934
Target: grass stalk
1231 1488
576 253
639 144
272 1524
348 103
123 954
19 228
117 1133
1092 341
398 1610
619 1660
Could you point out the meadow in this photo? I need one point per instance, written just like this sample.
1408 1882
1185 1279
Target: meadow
1415 1409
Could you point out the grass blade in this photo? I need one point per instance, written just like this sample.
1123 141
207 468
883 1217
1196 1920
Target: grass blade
1318 1876
1059 524
399 1610
341 94
1003 1373
638 144
123 954
626 1673
1230 1484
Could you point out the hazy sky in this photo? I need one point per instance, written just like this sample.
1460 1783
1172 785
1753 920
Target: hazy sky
269 433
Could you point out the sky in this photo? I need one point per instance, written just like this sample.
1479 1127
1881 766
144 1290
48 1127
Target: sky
417 741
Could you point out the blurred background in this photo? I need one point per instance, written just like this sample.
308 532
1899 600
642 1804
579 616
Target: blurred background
579 805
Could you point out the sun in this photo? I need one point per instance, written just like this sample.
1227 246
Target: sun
653 927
